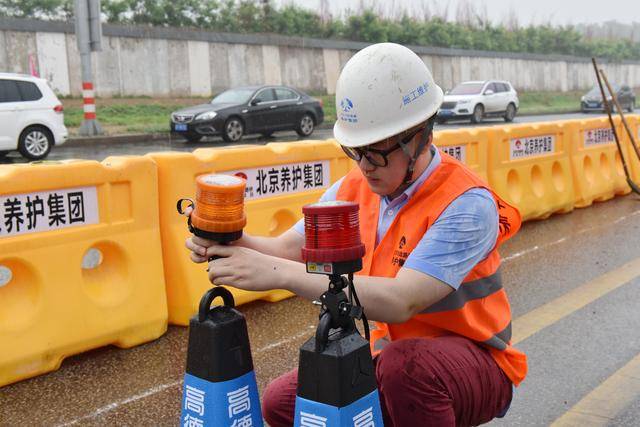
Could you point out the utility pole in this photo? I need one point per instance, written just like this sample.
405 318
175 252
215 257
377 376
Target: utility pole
89 37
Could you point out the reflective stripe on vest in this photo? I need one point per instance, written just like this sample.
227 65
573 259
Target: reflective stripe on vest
498 341
380 343
468 291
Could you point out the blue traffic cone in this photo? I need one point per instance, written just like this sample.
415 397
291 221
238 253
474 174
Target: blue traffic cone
220 385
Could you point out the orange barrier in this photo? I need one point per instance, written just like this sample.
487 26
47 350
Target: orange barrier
598 174
80 261
529 166
281 178
470 146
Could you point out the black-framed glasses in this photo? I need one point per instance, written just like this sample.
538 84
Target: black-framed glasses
378 157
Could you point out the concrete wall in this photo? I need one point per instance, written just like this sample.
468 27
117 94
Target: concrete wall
137 61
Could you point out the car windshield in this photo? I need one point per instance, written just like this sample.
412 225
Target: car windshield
595 91
236 96
467 89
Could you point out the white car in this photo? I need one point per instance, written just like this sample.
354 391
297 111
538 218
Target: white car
31 116
476 100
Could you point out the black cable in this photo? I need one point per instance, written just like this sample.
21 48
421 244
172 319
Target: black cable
367 335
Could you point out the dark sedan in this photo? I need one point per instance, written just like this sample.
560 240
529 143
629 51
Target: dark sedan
592 101
247 110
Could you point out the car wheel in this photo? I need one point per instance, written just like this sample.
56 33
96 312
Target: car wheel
478 114
192 139
306 125
632 106
233 130
510 113
35 143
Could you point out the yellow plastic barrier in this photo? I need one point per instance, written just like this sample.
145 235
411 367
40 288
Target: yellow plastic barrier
80 261
595 161
529 166
633 120
281 178
470 146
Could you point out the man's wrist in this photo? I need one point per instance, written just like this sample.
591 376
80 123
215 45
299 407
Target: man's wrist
244 241
288 275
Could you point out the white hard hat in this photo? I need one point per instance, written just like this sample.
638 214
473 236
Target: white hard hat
383 90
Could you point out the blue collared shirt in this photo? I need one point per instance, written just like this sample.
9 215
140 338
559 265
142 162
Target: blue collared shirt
463 235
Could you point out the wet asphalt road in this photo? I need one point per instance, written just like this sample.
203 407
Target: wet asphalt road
558 273
548 264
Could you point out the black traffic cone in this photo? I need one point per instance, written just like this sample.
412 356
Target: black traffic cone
336 379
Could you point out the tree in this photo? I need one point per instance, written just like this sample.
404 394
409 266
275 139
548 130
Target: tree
474 31
39 9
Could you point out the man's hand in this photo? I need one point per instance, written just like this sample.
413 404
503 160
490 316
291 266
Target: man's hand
198 247
245 268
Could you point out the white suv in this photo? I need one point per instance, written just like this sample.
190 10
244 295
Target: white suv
31 117
479 99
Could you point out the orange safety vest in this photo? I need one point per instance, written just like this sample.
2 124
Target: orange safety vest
479 308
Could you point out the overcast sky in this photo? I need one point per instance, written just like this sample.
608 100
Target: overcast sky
558 12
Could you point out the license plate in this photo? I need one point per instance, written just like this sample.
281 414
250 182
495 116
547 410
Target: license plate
181 127
446 112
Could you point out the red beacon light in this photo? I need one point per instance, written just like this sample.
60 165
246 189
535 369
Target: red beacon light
332 238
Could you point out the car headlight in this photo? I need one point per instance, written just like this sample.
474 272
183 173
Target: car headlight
206 116
583 99
464 101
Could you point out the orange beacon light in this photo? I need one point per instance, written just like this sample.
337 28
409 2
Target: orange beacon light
219 353
218 212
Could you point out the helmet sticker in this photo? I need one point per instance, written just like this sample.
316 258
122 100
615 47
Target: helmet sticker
346 104
348 111
415 93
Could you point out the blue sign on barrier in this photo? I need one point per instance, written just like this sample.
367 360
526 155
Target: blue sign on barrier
364 412
233 403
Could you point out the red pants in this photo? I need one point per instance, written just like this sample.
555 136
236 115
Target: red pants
446 381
